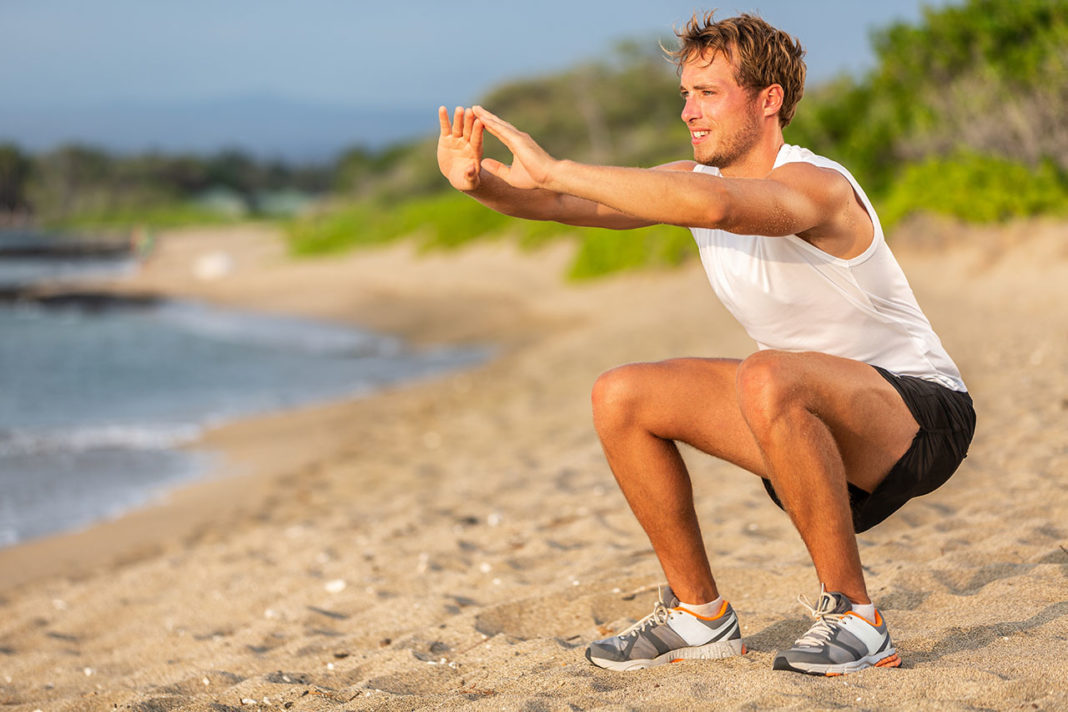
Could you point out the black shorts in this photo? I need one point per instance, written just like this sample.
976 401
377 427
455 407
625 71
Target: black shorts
947 423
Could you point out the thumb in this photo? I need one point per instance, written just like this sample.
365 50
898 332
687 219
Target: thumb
495 167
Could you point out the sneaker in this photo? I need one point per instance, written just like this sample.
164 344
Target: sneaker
664 636
840 641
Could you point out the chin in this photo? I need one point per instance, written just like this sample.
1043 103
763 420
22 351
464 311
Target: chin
706 158
713 161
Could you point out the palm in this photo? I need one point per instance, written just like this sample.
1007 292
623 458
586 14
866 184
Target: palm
460 148
459 162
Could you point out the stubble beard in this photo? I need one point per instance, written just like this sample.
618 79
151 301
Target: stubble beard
731 147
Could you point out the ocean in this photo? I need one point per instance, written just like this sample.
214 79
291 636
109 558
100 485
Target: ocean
97 396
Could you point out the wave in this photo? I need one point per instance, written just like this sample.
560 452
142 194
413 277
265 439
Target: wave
85 439
276 332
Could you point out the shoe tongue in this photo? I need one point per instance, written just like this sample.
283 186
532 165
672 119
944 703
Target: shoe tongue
668 597
841 603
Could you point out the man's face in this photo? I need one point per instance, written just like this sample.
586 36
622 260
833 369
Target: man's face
723 117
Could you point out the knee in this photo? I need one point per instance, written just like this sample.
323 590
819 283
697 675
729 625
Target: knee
616 396
768 385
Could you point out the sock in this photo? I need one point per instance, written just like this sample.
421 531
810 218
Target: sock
865 610
705 610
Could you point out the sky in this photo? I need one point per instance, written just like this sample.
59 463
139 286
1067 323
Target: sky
301 78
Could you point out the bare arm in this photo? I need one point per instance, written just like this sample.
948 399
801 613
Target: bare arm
794 199
460 161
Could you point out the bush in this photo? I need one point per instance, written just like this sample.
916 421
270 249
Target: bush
602 252
975 188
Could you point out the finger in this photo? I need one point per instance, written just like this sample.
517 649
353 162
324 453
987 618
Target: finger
443 117
469 121
500 128
476 137
496 168
504 133
489 118
458 122
493 124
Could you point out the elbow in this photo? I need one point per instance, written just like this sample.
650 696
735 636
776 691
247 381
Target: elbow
713 209
713 214
716 217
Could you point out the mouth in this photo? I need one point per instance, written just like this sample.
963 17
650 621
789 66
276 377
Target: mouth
697 136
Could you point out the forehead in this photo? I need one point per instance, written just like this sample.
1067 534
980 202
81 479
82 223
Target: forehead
707 68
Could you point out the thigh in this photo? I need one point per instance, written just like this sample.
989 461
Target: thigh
691 400
871 425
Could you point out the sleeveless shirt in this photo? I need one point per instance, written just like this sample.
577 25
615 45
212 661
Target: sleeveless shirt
792 296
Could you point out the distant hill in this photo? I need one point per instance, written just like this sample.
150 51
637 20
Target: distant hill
262 125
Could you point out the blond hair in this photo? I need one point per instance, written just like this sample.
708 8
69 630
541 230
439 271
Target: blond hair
762 55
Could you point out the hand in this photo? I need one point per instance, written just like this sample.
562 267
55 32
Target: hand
460 148
531 165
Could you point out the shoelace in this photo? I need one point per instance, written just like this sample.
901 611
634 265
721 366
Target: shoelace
657 617
821 630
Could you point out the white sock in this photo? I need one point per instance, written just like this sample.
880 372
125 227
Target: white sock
865 610
705 610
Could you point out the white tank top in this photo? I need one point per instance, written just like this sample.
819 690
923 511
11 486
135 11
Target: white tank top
792 296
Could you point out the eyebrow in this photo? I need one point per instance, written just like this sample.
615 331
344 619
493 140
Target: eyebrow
712 85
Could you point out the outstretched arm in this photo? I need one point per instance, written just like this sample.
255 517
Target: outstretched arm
793 199
460 161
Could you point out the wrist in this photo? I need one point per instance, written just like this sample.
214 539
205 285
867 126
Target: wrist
556 175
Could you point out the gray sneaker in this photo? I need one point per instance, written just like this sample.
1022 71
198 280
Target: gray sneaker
840 641
658 638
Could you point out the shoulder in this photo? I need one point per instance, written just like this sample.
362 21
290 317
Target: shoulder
825 184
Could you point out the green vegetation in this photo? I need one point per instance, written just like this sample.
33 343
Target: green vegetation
80 186
975 89
964 115
624 110
602 252
976 188
441 220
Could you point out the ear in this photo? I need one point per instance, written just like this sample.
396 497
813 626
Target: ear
773 96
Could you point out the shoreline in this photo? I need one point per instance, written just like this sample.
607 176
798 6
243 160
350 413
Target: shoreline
457 541
242 477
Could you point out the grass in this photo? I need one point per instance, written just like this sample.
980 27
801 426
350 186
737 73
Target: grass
451 220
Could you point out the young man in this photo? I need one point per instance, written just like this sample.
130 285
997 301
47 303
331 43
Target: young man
850 406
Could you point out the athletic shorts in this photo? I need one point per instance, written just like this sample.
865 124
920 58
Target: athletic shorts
947 423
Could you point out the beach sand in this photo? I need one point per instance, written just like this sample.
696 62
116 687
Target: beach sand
455 543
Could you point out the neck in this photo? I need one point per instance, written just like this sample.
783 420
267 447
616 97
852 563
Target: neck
758 161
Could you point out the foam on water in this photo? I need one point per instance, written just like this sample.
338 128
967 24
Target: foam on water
84 439
94 402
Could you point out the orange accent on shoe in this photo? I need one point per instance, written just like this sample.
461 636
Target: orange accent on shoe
744 649
833 674
891 661
878 618
678 660
722 610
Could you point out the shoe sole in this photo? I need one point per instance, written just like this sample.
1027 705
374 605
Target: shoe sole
886 658
709 651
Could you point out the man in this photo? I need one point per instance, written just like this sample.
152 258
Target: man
850 407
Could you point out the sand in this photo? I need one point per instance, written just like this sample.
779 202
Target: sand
455 543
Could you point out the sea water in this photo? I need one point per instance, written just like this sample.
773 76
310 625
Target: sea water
96 400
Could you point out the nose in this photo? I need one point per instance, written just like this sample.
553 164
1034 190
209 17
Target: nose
690 110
